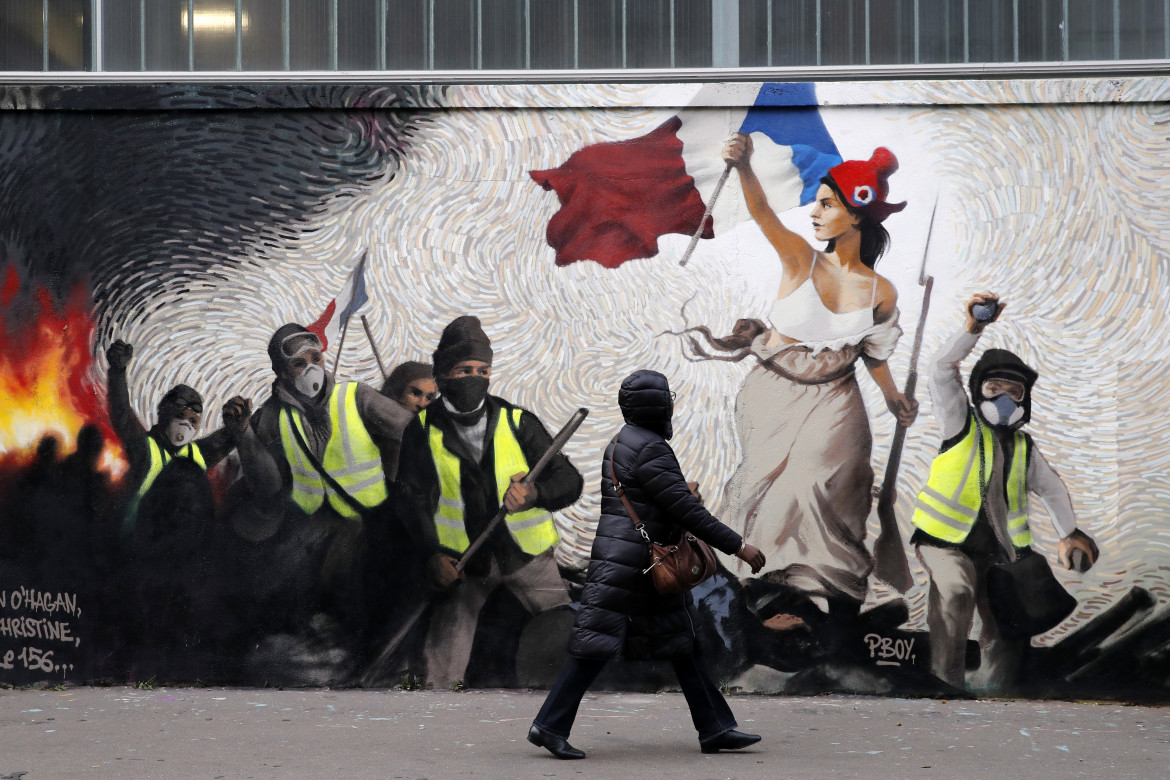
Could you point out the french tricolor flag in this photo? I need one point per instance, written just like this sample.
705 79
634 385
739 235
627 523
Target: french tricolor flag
329 325
618 198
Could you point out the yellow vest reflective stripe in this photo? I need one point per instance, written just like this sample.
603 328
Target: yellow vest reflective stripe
158 458
351 458
449 513
949 504
1017 495
308 488
533 529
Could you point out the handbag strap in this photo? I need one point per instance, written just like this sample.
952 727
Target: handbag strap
617 486
354 504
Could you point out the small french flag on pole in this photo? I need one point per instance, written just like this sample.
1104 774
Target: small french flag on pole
333 320
618 198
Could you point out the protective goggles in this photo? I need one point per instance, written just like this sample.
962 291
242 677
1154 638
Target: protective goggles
178 405
1009 387
297 343
194 406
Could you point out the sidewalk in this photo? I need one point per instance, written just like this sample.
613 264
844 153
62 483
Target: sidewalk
269 733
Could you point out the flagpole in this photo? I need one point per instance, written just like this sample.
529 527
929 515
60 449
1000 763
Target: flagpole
357 287
373 346
699 232
340 344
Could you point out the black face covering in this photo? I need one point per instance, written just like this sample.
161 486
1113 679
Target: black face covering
465 393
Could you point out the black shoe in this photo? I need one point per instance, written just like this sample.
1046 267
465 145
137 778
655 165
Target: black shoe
728 740
555 745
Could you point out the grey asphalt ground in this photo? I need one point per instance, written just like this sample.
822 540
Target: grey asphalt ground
270 733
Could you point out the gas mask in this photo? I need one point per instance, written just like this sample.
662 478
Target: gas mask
310 381
1004 401
1001 411
1001 389
300 342
180 432
174 415
466 393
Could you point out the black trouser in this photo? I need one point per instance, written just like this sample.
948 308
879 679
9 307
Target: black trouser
709 710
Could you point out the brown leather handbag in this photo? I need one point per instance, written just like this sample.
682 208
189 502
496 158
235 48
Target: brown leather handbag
674 568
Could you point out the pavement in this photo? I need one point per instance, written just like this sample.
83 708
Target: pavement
215 733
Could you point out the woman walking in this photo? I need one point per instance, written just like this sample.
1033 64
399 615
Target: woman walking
621 614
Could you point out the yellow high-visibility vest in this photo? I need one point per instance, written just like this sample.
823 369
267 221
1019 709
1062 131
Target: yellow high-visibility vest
158 458
351 458
949 504
533 529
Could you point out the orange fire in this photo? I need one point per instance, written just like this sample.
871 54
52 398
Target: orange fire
45 356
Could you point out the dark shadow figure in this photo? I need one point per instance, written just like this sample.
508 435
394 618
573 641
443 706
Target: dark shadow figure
74 528
53 522
395 583
163 627
28 498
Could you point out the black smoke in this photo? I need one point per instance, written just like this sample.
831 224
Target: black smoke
135 187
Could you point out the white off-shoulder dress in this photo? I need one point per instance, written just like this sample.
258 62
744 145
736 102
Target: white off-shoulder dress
803 488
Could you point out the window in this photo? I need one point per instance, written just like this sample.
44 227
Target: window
519 35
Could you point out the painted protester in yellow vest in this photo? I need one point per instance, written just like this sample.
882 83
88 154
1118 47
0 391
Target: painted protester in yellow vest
321 441
462 459
975 510
320 460
180 412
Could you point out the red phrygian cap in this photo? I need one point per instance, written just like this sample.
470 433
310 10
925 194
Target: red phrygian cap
866 184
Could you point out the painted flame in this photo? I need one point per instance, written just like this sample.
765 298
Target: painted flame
45 385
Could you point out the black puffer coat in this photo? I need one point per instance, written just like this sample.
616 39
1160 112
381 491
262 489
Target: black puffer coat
621 613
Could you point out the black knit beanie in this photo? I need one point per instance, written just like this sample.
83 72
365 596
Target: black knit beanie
463 339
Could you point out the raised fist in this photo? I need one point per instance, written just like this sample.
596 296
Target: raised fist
236 413
118 355
737 150
983 309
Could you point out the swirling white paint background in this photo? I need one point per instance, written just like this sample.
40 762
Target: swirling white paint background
1057 207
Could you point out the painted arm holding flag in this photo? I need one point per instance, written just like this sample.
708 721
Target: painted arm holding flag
794 252
856 239
618 198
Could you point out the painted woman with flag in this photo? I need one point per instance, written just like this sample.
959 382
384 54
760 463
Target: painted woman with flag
802 492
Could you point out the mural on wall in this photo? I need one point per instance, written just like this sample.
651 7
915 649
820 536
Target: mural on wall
911 367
